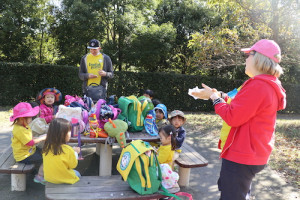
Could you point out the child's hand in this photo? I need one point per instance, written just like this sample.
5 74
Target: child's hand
42 137
76 149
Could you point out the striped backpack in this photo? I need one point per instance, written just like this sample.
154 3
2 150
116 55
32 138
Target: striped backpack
132 112
138 165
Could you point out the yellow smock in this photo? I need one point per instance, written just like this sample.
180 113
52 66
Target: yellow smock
21 136
59 168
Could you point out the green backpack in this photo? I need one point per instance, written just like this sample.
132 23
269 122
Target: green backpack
141 170
147 105
132 112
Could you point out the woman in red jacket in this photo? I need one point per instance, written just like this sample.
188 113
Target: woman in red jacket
249 114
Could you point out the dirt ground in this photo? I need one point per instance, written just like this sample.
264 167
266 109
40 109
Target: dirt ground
203 181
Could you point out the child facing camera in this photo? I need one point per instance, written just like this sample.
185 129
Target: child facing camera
59 158
177 119
47 97
22 142
161 115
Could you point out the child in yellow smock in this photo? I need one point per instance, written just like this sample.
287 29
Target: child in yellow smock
166 150
59 158
165 156
22 142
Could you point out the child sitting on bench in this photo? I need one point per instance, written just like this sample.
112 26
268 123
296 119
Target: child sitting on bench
22 142
165 156
59 158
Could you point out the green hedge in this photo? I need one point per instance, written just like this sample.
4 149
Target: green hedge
22 82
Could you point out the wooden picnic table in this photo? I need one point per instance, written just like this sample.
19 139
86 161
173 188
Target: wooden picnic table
105 150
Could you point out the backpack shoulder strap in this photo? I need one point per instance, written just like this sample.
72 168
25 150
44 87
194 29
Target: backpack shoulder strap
124 103
129 154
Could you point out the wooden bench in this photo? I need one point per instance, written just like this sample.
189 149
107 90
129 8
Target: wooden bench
188 158
97 188
18 171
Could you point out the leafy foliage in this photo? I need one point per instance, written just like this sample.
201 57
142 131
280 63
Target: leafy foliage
180 36
76 23
147 52
19 19
244 23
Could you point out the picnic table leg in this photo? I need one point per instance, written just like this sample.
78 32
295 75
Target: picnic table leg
184 176
105 160
18 182
98 149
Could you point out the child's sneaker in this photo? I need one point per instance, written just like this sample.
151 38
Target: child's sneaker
39 179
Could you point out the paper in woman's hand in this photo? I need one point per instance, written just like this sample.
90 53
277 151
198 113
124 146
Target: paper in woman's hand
196 89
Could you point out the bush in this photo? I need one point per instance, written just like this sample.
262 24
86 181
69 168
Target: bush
22 82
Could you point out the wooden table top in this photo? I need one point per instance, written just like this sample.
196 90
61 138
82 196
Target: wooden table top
132 136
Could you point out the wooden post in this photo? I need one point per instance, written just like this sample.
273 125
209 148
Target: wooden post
18 182
105 164
184 176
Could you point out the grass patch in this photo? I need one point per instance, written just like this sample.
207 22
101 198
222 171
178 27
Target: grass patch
202 124
285 157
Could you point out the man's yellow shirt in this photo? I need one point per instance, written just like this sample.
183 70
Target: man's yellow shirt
94 64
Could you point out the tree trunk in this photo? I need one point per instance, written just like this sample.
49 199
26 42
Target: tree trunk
275 20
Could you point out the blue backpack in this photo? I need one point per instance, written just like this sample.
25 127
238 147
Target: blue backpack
150 125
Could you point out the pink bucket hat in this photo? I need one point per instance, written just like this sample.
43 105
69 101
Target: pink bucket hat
267 48
24 110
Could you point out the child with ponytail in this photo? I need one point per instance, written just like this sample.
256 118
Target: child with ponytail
165 156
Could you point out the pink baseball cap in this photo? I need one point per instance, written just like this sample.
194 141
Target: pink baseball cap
267 48
24 109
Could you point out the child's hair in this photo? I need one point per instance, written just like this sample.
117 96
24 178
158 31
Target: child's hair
56 136
267 65
155 102
167 131
149 92
160 110
16 120
34 104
